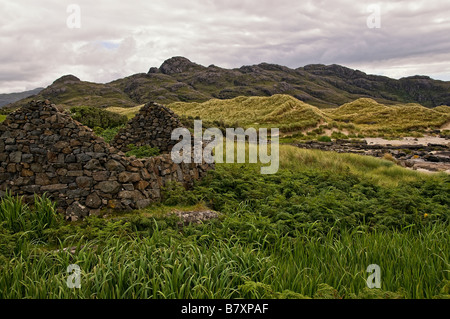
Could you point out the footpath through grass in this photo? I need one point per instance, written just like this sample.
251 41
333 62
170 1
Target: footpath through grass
309 231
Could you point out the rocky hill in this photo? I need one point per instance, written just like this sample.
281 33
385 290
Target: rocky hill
179 79
68 91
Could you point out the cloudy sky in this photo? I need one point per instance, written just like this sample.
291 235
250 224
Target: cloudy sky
43 40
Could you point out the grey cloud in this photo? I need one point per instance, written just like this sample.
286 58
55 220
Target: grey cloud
37 47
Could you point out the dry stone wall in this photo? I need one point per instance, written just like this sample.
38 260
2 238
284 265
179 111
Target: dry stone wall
43 150
153 126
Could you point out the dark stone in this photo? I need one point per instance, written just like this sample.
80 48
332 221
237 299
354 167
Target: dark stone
93 201
84 181
76 211
109 187
114 166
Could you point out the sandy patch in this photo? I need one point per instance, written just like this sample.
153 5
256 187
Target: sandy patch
446 126
408 141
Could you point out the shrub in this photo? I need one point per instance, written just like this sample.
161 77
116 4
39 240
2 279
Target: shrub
324 138
338 136
94 117
109 133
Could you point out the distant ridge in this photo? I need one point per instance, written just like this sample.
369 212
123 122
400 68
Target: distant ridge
180 80
7 98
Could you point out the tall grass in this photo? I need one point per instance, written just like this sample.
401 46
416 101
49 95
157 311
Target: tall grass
381 171
206 266
18 216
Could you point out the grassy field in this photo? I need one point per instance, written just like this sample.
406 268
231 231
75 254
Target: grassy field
2 118
309 231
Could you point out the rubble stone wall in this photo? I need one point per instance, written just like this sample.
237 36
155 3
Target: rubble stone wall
152 126
43 150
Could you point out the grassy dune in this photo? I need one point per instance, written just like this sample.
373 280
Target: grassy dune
442 109
290 115
370 115
283 111
362 116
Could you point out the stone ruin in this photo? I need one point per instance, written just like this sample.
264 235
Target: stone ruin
152 126
44 150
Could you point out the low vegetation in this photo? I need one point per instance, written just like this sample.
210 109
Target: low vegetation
94 117
109 133
309 231
143 151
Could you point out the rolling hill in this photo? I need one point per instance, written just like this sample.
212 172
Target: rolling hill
69 91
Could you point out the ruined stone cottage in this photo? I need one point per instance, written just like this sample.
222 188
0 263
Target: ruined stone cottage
43 150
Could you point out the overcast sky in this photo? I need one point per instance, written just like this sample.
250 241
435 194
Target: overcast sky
121 38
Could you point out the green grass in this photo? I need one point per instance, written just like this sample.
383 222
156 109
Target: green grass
2 117
94 117
247 265
309 231
380 171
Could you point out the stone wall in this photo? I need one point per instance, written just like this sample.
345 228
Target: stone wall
153 126
43 150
